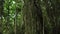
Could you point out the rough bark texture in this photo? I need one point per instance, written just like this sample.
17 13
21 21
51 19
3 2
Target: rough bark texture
33 17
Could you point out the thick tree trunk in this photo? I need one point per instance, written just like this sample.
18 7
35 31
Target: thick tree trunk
33 17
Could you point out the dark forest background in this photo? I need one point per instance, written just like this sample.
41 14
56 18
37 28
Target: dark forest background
29 16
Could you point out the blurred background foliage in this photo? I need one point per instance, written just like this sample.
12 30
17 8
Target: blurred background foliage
11 16
29 16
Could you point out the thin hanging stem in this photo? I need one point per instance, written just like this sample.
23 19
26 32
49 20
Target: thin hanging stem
15 20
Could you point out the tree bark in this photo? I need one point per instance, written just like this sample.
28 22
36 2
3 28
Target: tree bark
33 17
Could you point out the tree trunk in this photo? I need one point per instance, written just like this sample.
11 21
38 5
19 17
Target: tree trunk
33 17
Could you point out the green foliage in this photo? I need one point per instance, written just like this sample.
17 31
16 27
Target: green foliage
12 9
11 17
